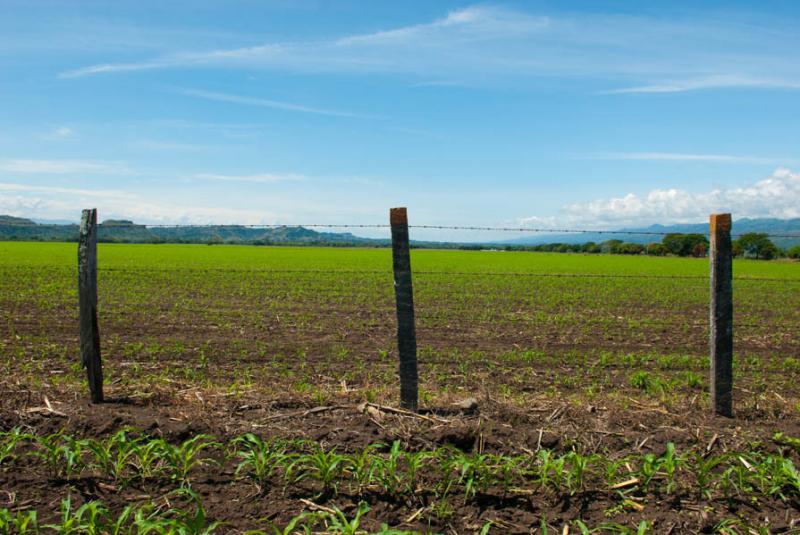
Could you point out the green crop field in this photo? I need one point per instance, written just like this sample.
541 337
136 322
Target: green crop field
590 373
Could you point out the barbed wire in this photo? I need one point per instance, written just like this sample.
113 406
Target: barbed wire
533 230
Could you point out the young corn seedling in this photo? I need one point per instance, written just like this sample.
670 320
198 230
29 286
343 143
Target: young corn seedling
324 466
669 463
23 523
338 523
62 454
115 455
304 521
363 466
705 471
88 519
579 465
9 442
147 461
388 472
550 470
414 462
181 459
260 459
475 473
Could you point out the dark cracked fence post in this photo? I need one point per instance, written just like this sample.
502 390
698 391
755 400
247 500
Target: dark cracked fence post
87 299
404 295
721 315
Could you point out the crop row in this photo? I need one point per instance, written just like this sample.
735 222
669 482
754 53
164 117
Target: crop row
389 470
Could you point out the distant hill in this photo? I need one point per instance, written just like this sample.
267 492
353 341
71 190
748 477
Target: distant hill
740 226
124 231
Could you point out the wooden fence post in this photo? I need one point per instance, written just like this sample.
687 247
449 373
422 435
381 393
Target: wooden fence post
721 315
87 300
404 296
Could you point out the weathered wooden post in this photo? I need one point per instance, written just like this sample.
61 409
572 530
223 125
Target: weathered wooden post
404 296
721 315
87 300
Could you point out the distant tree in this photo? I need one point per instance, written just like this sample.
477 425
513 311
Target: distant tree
630 248
736 248
610 246
794 252
685 244
699 250
757 245
590 247
656 249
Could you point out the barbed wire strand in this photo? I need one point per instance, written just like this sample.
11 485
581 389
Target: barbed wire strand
534 230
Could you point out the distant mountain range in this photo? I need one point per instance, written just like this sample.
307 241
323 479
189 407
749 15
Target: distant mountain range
740 226
17 228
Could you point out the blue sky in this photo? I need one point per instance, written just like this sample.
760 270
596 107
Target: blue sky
548 114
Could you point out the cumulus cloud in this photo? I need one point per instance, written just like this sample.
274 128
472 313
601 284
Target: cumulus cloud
775 196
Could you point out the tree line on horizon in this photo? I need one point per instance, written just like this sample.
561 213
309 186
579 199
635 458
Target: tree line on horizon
755 245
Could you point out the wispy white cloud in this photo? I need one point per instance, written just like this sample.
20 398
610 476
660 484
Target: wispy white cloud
28 188
709 82
62 166
62 132
266 103
258 178
687 157
778 196
171 145
51 202
488 44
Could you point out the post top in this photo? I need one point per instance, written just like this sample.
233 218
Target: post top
398 216
719 222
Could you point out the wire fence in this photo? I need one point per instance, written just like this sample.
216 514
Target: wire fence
441 290
514 229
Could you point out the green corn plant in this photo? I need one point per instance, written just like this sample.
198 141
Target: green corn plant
22 523
338 523
146 459
175 521
643 528
182 458
363 466
304 521
62 454
584 529
115 455
386 530
507 470
122 524
475 473
669 463
786 440
550 469
579 465
414 462
778 476
9 441
705 472
388 472
196 523
260 459
613 471
648 469
324 466
88 519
